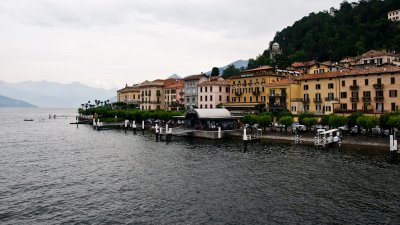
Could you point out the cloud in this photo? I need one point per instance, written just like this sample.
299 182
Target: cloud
128 41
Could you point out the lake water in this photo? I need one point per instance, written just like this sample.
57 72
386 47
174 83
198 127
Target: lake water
52 172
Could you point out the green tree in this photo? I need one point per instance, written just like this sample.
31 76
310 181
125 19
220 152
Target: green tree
215 72
310 121
367 122
337 121
304 115
352 119
394 121
264 121
230 71
287 121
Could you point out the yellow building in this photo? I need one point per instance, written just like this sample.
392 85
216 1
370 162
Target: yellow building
281 94
318 93
314 67
152 95
248 92
129 95
369 90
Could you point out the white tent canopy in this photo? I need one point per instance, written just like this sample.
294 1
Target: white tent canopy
210 113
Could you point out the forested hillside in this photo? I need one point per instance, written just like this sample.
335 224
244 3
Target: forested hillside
351 30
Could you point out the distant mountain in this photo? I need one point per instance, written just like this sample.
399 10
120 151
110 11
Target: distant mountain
9 102
174 76
54 95
238 64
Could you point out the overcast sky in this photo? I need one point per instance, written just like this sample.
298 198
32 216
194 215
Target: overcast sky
107 43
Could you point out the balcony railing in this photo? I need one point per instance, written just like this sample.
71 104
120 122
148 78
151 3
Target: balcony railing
366 99
378 86
256 92
296 99
238 93
331 99
317 99
379 98
354 87
354 99
305 100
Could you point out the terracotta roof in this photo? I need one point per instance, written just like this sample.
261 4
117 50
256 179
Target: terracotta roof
215 82
195 77
174 83
310 63
129 89
375 53
286 81
258 69
353 72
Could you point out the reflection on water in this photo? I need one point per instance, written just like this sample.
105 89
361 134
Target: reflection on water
53 172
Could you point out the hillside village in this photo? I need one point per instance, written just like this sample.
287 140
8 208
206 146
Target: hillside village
368 83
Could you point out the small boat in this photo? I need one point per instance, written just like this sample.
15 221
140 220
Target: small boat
327 137
28 119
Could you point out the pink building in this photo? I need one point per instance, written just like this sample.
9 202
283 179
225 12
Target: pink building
212 93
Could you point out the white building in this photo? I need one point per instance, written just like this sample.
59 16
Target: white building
394 15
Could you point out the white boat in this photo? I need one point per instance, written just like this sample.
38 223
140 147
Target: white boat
324 138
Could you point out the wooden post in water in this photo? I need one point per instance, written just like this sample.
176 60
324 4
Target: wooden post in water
157 132
143 127
76 119
219 133
49 116
393 147
134 127
245 140
169 135
126 125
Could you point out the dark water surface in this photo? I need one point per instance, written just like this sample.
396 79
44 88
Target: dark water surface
52 172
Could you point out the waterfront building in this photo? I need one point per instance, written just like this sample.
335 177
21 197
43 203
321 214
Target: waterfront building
190 89
248 91
129 95
369 90
314 67
282 95
376 58
173 94
213 93
394 15
152 95
318 93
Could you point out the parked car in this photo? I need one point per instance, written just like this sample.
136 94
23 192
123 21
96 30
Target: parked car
354 130
298 127
344 128
376 131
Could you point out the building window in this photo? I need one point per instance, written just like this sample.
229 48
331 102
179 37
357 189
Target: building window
211 106
220 98
330 86
205 106
306 107
305 87
201 106
392 80
393 106
220 89
354 106
201 89
201 98
205 98
328 108
205 89
211 98
392 93
317 86
366 82
343 83
343 94
227 89
343 106
244 99
210 89
318 107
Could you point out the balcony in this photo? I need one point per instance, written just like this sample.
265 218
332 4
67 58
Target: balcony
296 99
238 93
354 87
354 99
317 99
366 99
306 100
158 94
256 92
379 98
378 86
276 106
181 93
331 99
